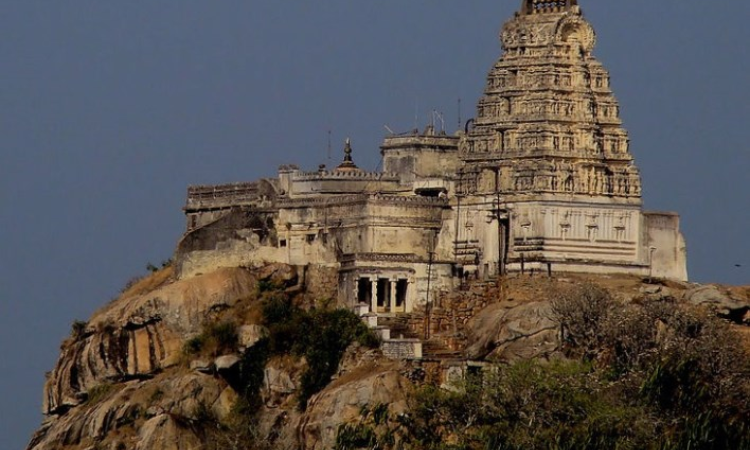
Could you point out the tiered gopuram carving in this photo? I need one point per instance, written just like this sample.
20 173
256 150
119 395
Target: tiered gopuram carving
548 121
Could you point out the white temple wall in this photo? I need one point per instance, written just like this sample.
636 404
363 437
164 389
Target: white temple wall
577 231
664 246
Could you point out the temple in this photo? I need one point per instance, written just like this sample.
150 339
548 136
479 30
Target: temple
542 179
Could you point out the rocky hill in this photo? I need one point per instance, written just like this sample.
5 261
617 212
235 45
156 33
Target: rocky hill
261 358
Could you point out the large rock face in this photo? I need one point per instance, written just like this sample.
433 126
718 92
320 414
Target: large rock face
124 382
343 401
509 331
138 335
159 408
728 303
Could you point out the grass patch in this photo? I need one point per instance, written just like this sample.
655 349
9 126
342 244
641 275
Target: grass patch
144 285
99 392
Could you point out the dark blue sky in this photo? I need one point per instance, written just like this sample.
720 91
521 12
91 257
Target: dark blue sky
108 110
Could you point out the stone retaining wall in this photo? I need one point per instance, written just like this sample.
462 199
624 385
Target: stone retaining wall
402 348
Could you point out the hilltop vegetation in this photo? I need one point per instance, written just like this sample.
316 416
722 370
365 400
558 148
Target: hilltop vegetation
657 375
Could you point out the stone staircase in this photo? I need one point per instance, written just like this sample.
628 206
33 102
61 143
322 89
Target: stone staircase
448 318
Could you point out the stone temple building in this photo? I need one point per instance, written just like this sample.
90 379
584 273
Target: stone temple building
541 179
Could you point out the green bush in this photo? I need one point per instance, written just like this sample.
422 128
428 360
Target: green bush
329 335
278 309
356 436
561 405
215 339
265 286
375 429
321 336
679 361
251 376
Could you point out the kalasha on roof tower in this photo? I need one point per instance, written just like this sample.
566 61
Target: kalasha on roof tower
541 179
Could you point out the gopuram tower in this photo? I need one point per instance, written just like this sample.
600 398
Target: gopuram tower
548 181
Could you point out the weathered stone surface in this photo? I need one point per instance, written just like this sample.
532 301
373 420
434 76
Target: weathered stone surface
163 433
342 403
183 395
249 335
222 407
650 289
513 331
720 300
201 365
277 273
226 363
278 381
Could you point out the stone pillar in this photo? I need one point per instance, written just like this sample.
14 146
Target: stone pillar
374 300
411 290
393 296
288 249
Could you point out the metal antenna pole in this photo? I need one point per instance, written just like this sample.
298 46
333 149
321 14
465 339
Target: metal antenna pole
329 145
459 113
416 115
429 279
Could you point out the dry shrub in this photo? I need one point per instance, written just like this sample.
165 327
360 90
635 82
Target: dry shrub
681 360
583 312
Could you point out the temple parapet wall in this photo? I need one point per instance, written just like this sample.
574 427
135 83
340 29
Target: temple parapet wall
334 175
260 194
437 143
228 192
362 199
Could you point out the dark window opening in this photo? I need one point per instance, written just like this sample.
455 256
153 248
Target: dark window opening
430 192
402 287
282 243
364 291
310 238
384 294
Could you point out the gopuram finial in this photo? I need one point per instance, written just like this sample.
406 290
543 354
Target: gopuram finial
547 6
348 150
